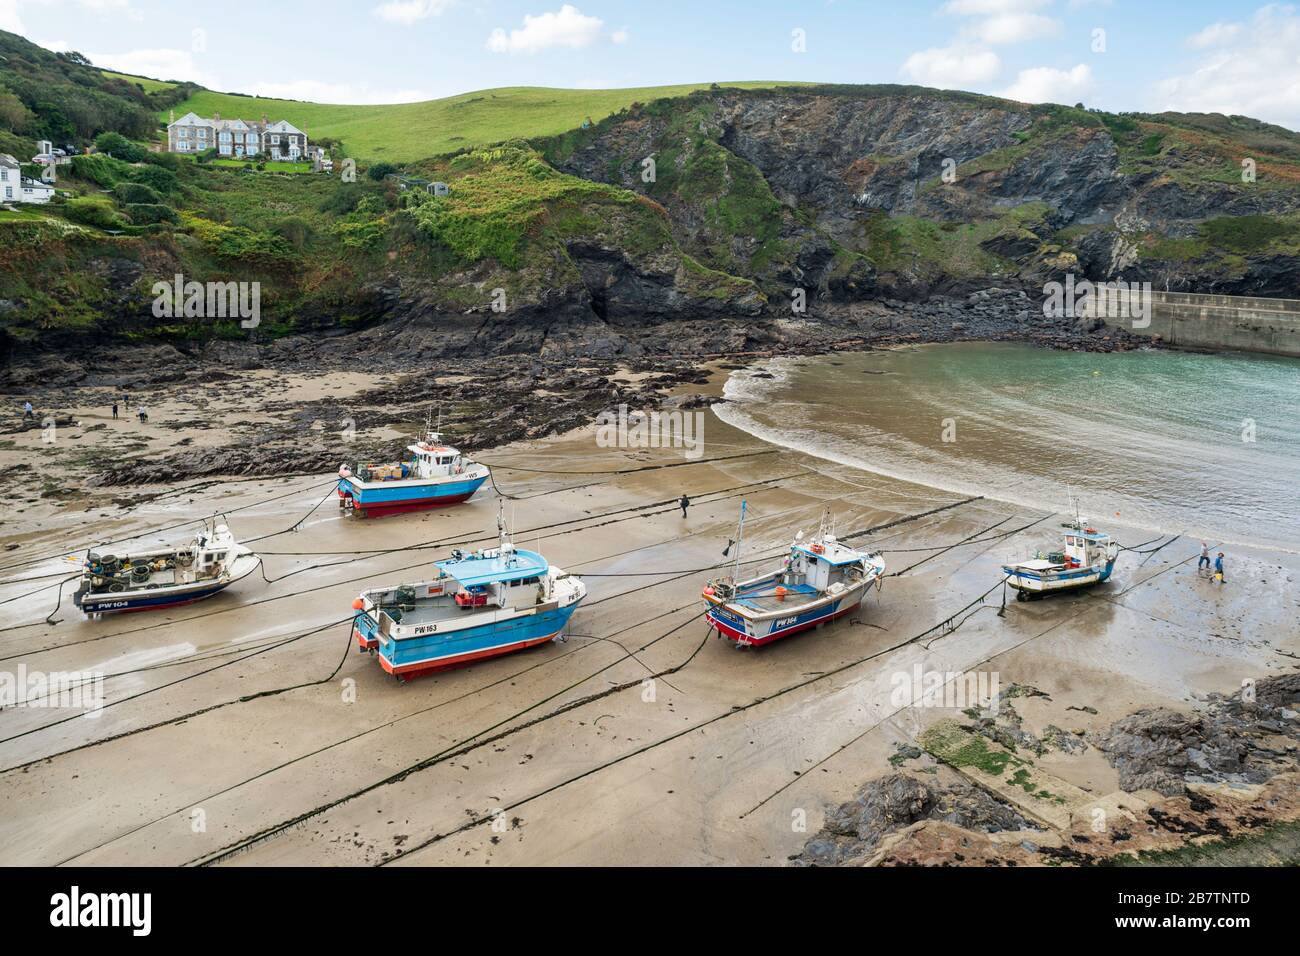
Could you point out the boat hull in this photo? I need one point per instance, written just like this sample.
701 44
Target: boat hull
736 627
163 596
1033 582
410 656
374 500
125 602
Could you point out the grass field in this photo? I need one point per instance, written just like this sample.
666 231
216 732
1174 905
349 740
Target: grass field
405 132
150 86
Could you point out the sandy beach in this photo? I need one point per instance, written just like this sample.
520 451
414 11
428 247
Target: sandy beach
231 733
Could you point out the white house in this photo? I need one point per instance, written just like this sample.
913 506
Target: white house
15 187
236 139
36 191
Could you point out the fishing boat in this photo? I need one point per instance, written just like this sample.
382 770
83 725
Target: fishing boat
482 604
1087 558
146 580
821 579
433 476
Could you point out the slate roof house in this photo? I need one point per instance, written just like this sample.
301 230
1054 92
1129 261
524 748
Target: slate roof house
15 187
237 138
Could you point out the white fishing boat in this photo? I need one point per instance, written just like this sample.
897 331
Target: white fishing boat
820 580
1086 558
147 580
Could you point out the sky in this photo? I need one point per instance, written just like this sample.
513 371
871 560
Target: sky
1231 56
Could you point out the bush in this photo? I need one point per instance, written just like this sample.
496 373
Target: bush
103 171
136 193
165 160
160 180
121 147
294 231
378 171
343 199
143 214
94 212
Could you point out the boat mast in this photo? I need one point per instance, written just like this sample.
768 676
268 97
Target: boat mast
740 537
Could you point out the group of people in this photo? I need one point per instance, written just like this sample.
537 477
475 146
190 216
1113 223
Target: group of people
141 413
1205 562
139 410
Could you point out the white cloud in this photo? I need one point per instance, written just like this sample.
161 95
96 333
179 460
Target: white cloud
1045 84
1214 34
1252 71
1016 28
567 27
11 10
410 11
161 64
952 66
619 36
992 8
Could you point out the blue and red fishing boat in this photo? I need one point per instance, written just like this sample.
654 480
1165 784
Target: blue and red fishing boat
433 476
480 605
820 580
148 580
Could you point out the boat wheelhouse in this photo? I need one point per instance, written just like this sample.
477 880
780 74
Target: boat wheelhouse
820 580
1086 558
146 580
479 605
433 476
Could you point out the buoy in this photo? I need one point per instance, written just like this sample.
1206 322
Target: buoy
708 592
358 605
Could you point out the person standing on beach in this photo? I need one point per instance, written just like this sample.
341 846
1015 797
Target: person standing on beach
27 411
684 503
1218 568
144 416
115 411
1205 557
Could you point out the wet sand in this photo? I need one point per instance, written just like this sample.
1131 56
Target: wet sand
641 739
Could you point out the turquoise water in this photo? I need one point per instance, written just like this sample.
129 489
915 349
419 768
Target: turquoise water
1205 445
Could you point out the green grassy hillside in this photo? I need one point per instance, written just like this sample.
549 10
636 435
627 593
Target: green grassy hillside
405 132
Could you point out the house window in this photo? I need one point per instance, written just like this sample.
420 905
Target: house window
4 175
9 192
275 139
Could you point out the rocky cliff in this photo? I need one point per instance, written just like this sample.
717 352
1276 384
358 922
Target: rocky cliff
689 224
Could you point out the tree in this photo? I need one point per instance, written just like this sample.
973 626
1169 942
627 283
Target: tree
14 116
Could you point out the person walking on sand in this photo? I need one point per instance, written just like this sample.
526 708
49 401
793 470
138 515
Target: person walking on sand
115 411
1218 568
144 416
1205 557
27 411
684 503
